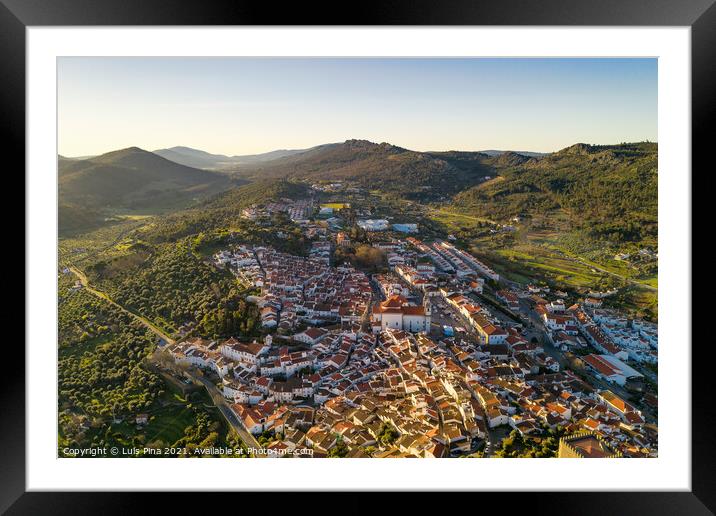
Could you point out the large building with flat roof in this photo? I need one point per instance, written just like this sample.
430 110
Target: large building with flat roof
611 368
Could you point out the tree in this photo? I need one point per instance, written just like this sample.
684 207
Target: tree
369 257
388 434
339 450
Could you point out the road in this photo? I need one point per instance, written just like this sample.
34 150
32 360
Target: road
501 312
218 399
536 329
494 439
444 314
216 396
102 295
651 375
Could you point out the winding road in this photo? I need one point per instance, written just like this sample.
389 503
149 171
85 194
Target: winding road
211 389
229 415
102 295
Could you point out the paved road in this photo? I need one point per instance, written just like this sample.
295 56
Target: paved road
218 399
648 373
541 333
494 439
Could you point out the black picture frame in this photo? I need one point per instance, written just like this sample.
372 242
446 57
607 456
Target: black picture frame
700 15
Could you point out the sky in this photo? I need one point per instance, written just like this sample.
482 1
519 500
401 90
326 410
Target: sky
238 106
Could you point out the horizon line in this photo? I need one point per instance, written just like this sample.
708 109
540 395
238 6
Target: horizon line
234 155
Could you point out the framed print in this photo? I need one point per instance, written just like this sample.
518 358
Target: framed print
312 252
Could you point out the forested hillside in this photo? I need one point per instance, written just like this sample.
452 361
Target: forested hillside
105 381
609 192
73 218
133 178
382 166
223 211
173 286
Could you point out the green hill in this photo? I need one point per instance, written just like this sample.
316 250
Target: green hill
133 178
223 210
74 219
381 166
607 191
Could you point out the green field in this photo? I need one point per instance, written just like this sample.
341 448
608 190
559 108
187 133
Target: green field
544 250
652 281
336 205
642 301
454 220
105 242
526 263
537 263
166 422
167 425
168 419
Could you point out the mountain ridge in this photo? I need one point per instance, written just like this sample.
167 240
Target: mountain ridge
529 154
131 177
198 158
607 189
467 179
379 165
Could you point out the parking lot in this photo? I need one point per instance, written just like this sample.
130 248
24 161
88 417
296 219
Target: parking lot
445 315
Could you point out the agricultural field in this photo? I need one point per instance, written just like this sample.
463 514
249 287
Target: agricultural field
109 240
540 263
456 221
336 205
544 249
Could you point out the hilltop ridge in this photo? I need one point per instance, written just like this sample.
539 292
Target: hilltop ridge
132 177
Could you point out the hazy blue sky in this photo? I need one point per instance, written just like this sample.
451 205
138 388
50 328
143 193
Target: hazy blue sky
251 105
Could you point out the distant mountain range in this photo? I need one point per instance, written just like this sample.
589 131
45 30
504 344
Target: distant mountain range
197 158
595 183
529 154
200 159
377 165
